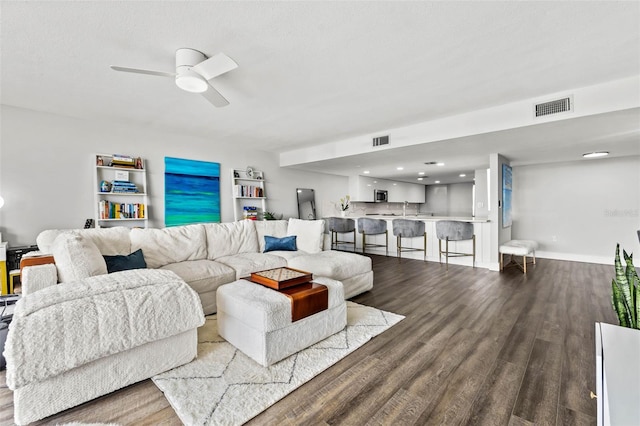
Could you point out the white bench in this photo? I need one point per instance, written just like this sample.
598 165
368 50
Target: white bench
522 248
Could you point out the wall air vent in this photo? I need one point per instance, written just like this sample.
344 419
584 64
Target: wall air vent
554 107
381 140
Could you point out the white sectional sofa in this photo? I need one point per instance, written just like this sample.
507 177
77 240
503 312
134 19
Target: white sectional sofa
96 323
211 254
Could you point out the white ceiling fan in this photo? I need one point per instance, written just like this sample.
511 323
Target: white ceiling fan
194 72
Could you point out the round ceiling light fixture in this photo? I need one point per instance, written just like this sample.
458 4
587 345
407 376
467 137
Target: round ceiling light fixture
596 154
189 80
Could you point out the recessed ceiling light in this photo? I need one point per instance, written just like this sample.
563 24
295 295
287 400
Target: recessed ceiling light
394 184
437 181
375 181
440 164
420 173
420 178
400 168
595 154
366 172
462 175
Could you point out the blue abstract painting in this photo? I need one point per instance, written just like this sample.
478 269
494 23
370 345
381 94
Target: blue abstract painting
507 188
191 191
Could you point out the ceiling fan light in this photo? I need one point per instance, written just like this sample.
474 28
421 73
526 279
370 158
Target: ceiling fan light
595 154
191 82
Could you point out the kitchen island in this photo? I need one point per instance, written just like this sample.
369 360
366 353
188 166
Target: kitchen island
481 227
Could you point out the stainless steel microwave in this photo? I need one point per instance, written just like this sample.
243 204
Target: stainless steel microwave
380 196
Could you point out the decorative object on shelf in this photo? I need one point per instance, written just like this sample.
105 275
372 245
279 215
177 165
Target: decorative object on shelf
191 191
139 163
250 172
626 291
105 186
236 174
99 161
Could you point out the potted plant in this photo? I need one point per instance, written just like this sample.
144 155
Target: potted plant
344 205
626 291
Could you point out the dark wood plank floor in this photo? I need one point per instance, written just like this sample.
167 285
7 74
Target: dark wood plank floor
476 347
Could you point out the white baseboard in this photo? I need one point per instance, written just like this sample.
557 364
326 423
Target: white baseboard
572 257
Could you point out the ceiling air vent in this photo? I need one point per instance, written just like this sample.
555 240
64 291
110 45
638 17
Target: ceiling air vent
381 140
554 107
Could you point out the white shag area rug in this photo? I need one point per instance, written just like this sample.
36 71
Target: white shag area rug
225 387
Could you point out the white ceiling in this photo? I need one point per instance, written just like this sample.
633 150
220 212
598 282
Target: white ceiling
314 72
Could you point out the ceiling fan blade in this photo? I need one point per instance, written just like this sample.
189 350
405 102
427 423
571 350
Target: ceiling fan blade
148 72
215 66
213 96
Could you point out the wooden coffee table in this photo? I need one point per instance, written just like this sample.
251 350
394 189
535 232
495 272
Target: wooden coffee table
307 298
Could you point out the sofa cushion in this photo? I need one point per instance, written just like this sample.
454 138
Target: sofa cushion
226 239
110 241
337 265
77 257
202 275
283 244
274 228
310 234
170 245
246 263
117 263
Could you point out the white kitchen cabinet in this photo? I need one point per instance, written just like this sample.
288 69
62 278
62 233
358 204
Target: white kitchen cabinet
361 189
404 191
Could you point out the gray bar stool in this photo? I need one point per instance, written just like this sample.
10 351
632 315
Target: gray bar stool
407 228
341 225
454 230
369 226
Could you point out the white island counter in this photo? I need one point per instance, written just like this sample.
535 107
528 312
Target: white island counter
481 229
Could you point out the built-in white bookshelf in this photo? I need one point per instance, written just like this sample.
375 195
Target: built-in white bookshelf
120 188
249 197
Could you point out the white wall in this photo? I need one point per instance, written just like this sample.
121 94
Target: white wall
46 171
579 210
482 194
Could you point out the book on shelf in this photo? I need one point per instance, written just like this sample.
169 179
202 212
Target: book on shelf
250 212
248 191
112 210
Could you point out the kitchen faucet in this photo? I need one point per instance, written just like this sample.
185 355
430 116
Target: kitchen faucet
404 208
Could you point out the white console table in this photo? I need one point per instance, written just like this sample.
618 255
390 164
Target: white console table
617 375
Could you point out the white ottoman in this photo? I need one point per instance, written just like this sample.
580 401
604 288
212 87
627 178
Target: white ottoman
522 248
257 320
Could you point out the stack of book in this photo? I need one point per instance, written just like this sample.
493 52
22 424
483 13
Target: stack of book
250 212
119 160
123 186
110 210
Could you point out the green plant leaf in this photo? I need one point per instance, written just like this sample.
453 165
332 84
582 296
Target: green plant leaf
630 273
637 298
617 299
621 278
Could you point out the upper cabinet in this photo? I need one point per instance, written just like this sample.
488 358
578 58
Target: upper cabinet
361 189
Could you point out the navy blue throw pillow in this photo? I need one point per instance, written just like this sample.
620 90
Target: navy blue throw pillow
281 244
134 260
